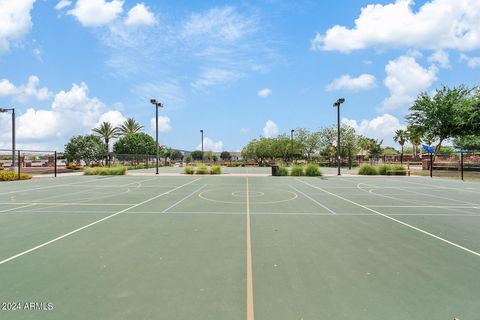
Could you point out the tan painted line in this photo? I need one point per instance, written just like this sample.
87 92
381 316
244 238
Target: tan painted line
395 220
250 314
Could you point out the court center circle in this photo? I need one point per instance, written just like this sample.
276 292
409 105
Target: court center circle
251 194
239 197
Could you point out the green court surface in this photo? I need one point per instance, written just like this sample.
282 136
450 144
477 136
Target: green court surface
240 247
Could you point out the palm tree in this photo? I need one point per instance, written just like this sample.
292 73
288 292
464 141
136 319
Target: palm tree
107 132
401 137
416 139
130 126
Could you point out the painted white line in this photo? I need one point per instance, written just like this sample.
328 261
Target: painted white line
11 209
91 224
395 220
56 186
441 187
183 199
315 201
70 203
250 309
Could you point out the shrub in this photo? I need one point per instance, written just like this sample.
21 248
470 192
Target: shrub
367 170
74 166
1 168
189 170
216 170
202 169
105 171
297 171
398 170
282 171
384 169
313 170
12 176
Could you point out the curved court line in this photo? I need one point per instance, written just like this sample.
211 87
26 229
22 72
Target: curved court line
200 195
395 220
403 200
442 187
92 224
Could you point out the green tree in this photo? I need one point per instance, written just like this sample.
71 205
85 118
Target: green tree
88 149
401 137
467 142
375 150
130 126
107 132
444 115
225 156
135 143
196 155
309 141
176 155
415 139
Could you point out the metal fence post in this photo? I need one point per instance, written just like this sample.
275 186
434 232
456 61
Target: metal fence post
55 164
431 165
461 164
19 165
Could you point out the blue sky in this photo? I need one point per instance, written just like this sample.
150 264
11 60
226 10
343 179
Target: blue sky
238 70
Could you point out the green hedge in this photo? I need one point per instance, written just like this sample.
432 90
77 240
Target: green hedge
313 170
12 176
106 171
216 170
189 170
297 171
202 169
384 170
367 170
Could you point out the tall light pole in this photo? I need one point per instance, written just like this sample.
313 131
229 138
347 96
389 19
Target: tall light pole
201 132
2 110
291 143
337 105
157 105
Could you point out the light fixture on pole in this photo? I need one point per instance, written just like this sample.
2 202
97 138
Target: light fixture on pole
201 131
337 105
157 105
2 110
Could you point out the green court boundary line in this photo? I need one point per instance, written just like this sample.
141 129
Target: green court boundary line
395 220
313 200
91 224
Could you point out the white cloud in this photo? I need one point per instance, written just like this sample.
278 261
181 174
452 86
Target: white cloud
63 4
115 117
438 24
210 145
244 130
72 112
405 80
441 58
15 21
140 15
214 76
473 62
96 13
163 124
7 88
264 92
270 129
382 127
222 23
346 82
26 92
